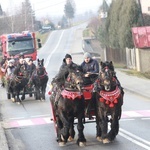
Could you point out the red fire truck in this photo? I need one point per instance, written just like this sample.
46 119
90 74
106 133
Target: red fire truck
16 43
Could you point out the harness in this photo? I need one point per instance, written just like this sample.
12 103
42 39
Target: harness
110 98
71 95
18 79
43 75
72 92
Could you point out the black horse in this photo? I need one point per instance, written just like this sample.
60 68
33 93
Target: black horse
109 101
39 80
16 83
67 106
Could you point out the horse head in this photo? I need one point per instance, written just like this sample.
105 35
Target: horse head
107 64
107 79
40 70
75 80
40 63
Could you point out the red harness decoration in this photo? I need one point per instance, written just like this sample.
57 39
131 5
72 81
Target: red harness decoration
110 98
71 95
42 76
87 92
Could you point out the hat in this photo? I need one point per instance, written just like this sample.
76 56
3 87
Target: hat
68 56
30 59
21 55
87 55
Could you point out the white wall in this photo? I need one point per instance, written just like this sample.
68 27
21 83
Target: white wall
145 4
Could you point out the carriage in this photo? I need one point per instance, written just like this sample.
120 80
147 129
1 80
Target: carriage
102 100
29 91
22 83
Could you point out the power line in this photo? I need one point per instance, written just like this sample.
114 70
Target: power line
43 2
39 3
49 6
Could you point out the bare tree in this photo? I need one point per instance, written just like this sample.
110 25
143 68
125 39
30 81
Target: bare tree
28 15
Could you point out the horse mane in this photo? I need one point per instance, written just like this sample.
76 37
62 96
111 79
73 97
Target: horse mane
108 64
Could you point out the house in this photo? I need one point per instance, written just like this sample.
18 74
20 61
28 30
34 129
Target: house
145 5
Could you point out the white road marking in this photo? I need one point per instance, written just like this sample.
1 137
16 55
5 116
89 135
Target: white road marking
16 118
134 141
130 137
145 118
127 119
25 122
132 114
49 56
37 116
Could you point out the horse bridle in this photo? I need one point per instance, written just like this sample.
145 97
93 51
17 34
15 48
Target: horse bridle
73 79
44 74
108 75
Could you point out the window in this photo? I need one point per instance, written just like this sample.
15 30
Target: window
20 45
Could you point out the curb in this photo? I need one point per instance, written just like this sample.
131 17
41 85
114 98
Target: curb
3 140
137 93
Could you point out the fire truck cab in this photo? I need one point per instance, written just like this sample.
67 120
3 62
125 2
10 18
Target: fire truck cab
16 43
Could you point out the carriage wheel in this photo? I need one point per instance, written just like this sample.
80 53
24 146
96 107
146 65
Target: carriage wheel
8 96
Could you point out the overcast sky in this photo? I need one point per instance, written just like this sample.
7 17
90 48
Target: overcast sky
53 7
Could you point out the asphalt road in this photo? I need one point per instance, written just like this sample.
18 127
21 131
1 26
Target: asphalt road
28 126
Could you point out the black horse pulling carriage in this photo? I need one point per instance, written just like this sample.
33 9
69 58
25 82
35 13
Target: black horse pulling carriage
102 100
16 83
21 83
39 80
69 104
109 101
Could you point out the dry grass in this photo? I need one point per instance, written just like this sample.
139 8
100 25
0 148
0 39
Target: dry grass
87 33
119 65
137 73
43 36
132 72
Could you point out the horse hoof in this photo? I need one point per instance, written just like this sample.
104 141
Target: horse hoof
18 103
61 143
13 100
106 141
22 98
82 144
99 139
70 139
62 138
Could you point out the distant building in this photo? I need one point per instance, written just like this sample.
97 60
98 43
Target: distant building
145 5
103 10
